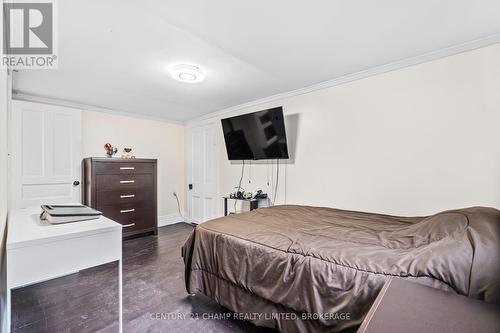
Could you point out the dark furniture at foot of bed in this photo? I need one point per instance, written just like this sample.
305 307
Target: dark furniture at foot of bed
430 310
310 269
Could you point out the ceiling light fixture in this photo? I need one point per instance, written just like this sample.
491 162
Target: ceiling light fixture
187 73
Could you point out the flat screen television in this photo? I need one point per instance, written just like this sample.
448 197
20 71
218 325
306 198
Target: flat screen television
256 136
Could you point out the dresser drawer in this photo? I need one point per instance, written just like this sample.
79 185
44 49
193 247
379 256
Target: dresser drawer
123 182
133 216
125 195
123 168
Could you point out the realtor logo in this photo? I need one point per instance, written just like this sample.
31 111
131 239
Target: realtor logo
28 38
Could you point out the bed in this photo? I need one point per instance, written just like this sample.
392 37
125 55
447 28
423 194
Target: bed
313 269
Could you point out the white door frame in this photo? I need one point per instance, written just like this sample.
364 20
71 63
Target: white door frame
189 166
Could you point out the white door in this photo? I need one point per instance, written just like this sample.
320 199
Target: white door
202 174
45 154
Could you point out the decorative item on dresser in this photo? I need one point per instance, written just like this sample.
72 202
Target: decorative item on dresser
124 190
110 150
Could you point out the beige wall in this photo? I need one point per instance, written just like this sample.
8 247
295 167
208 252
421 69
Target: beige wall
149 139
412 141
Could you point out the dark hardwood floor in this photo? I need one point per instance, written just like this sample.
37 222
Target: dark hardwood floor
153 283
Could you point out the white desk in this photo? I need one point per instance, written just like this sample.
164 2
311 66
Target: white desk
38 251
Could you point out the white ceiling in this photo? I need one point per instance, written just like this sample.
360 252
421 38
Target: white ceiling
113 54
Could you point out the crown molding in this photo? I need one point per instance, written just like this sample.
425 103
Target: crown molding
430 56
426 57
20 96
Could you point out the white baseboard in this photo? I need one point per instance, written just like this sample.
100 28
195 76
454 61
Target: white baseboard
167 219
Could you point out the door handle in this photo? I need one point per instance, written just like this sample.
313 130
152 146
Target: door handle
127 181
76 183
127 210
127 196
128 225
190 186
127 168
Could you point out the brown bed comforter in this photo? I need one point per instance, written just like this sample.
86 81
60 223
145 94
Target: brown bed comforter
310 269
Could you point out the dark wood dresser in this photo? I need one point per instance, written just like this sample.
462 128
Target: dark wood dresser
124 190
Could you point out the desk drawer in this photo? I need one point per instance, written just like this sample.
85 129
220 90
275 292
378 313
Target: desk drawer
123 168
123 182
133 216
47 260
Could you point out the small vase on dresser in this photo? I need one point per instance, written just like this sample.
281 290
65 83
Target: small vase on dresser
124 190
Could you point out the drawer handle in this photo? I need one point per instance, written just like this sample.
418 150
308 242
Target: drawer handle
128 225
127 168
127 196
127 181
127 210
